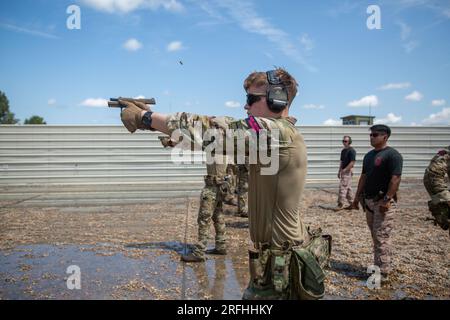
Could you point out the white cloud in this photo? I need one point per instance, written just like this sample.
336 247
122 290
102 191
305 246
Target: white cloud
438 103
94 102
414 96
175 46
245 14
446 13
126 6
307 43
313 106
232 104
332 122
342 8
166 92
405 30
32 32
405 34
442 117
410 46
132 45
390 119
366 101
51 102
392 86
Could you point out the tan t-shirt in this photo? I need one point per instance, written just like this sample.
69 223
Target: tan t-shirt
274 200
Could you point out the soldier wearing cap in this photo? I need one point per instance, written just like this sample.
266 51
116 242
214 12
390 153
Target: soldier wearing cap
436 186
377 192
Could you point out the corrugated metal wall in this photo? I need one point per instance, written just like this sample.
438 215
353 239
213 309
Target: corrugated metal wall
52 155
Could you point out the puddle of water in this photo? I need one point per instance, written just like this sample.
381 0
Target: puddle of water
139 271
134 272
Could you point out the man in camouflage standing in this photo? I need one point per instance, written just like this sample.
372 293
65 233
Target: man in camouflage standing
434 182
377 192
211 203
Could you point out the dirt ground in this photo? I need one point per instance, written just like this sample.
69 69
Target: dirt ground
132 251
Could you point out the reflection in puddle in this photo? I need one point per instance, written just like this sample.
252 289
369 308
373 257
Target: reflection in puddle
138 271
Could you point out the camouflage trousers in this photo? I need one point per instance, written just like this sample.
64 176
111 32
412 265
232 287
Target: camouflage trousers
380 225
242 189
345 188
210 209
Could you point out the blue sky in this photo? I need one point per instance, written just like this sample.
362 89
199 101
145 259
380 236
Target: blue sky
133 48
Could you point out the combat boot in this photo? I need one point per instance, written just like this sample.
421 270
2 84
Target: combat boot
221 252
384 278
192 258
243 214
230 201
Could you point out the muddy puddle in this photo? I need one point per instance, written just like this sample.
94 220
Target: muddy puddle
140 271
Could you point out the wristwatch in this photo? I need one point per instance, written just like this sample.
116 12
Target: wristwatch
147 120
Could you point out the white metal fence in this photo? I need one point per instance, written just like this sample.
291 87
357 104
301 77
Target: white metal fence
80 155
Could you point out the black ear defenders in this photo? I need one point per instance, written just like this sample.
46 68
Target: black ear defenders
277 94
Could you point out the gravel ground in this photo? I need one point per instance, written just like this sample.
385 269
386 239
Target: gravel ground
132 252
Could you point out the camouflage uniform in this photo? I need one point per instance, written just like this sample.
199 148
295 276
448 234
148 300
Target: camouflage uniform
242 189
273 200
436 186
238 174
345 188
231 177
380 226
211 208
211 198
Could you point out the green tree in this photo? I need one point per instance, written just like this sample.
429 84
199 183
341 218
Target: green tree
6 117
35 120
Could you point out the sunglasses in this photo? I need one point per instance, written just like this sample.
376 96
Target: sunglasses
252 98
375 134
344 141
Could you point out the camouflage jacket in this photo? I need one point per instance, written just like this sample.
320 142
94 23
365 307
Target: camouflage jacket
440 164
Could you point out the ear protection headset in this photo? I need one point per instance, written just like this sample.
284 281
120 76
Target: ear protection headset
277 93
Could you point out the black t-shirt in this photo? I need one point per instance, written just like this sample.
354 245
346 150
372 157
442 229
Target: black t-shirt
347 156
379 167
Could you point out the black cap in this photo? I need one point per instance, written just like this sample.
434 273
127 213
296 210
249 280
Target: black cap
381 128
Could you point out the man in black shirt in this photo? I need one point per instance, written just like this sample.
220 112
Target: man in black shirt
348 158
377 191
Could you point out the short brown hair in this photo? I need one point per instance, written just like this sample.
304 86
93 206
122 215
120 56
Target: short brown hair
259 79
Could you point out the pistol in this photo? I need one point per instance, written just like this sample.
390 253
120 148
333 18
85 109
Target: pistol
114 102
